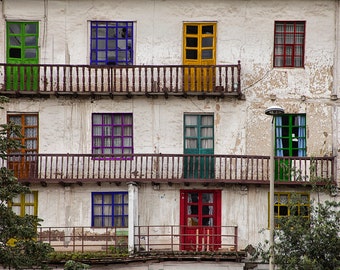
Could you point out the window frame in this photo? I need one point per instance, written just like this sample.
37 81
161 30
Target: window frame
23 203
278 205
282 47
120 44
103 137
290 133
123 204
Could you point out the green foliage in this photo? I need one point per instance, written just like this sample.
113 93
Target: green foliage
311 244
73 265
18 247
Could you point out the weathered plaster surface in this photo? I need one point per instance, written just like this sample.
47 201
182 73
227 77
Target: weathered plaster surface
244 32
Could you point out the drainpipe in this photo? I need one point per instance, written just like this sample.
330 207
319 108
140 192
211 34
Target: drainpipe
133 214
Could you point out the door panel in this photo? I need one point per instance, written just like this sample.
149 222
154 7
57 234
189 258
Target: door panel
199 50
24 164
200 220
22 49
199 146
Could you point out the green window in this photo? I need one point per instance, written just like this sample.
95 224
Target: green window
22 48
288 204
290 130
199 146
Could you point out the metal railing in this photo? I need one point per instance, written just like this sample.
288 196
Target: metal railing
120 80
83 239
146 238
180 168
175 238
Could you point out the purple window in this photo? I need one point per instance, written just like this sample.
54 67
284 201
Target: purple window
112 133
111 43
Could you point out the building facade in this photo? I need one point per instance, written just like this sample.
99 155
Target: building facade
148 116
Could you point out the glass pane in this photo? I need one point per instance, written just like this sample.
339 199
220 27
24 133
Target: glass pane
207 120
108 221
31 120
108 199
192 29
97 221
128 131
15 53
191 120
193 197
117 120
107 131
207 197
190 132
207 221
108 142
127 142
118 198
207 132
31 28
29 210
118 210
207 54
107 209
30 132
191 144
191 42
191 54
97 210
101 44
31 53
117 131
31 41
14 28
16 210
207 42
117 142
97 131
208 29
97 119
15 40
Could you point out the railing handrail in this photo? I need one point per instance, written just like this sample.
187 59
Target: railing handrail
208 80
160 167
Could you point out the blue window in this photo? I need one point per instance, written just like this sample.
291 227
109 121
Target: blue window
109 209
111 43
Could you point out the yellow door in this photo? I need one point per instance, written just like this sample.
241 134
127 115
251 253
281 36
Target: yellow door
199 49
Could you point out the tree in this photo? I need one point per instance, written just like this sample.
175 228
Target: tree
307 244
18 246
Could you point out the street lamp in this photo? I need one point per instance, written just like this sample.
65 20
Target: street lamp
273 111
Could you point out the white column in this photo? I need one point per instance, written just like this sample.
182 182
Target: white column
133 214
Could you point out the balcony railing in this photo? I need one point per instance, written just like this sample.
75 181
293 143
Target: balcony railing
167 168
168 238
214 80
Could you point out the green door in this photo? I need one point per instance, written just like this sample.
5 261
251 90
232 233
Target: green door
22 49
199 146
290 142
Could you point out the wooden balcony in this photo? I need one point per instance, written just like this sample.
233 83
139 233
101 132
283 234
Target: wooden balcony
149 80
167 168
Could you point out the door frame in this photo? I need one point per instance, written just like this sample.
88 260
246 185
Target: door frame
200 237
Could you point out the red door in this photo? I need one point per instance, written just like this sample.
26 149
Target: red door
200 220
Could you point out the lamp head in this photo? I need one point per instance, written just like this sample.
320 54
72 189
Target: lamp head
274 110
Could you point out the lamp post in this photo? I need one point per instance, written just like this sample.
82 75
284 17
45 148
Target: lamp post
273 111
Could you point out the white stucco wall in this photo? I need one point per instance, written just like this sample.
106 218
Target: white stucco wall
245 31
